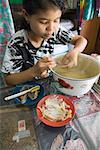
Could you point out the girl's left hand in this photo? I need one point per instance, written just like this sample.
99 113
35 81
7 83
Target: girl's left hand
70 59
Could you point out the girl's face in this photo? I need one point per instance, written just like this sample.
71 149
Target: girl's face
44 23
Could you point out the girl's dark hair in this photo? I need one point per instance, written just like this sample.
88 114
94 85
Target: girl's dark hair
34 6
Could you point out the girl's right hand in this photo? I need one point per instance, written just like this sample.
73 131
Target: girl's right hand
43 65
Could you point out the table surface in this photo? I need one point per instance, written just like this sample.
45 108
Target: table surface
43 137
9 117
87 119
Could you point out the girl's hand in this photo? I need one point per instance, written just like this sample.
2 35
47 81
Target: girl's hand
43 65
70 59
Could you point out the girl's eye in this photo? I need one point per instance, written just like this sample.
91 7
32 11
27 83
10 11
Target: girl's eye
47 22
43 22
56 21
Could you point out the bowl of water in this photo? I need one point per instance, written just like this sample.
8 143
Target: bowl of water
78 80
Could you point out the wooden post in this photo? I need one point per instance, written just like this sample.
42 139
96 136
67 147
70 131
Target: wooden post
91 31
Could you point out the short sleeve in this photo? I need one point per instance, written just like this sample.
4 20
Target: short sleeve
11 62
14 56
64 36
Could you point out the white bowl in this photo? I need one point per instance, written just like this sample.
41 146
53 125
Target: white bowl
78 86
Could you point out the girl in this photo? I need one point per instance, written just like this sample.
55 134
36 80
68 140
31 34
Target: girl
26 54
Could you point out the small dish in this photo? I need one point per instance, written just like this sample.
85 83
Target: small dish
27 100
55 123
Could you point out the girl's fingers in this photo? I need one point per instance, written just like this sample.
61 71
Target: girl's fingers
64 59
52 65
70 65
47 59
47 65
44 74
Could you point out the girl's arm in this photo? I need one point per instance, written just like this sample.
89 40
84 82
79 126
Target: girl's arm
79 43
70 59
38 70
21 77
